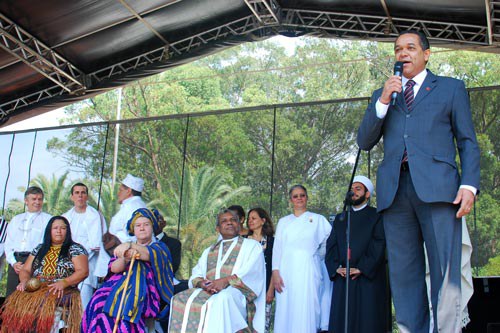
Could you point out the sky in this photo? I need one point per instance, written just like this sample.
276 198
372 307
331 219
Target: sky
43 161
48 119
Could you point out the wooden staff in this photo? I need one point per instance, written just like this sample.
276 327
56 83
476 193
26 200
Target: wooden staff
120 308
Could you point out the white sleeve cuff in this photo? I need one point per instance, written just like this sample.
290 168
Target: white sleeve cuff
381 109
10 258
470 188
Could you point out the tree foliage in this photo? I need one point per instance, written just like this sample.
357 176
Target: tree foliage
206 191
251 156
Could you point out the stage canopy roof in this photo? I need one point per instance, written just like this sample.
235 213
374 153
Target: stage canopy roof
54 52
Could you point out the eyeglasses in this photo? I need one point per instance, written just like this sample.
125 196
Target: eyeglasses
295 196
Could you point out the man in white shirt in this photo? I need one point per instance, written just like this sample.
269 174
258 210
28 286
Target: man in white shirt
129 196
24 232
87 229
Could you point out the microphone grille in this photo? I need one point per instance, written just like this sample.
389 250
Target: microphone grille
398 66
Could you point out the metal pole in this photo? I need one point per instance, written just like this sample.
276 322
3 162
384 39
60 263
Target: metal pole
117 136
273 152
184 157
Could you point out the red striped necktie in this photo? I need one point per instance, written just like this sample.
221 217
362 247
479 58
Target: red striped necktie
409 98
409 95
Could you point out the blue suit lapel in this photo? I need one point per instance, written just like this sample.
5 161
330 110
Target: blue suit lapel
427 87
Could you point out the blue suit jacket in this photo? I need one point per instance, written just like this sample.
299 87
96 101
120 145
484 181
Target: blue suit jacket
439 124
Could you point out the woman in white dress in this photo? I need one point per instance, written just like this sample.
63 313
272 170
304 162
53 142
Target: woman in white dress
299 275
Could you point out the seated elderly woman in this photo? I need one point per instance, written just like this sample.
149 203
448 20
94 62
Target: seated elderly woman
47 293
150 281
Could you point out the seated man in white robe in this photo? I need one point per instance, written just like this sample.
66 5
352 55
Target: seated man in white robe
227 292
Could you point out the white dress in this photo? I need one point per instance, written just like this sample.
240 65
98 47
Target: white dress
298 254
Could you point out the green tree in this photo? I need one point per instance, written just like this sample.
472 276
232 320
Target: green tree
492 268
485 231
315 144
205 192
56 193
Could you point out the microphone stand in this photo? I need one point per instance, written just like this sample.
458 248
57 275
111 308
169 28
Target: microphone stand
347 208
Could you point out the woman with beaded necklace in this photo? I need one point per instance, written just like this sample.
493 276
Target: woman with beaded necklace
48 293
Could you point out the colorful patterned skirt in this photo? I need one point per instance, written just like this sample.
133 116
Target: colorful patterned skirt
25 312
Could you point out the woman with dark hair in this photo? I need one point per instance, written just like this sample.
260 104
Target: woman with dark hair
299 272
260 228
48 293
149 282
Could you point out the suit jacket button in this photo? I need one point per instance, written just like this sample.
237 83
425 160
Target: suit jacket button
408 116
405 136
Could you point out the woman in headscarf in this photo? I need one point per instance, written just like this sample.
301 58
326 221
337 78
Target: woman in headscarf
47 297
150 280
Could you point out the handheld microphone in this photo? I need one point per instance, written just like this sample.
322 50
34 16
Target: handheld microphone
398 70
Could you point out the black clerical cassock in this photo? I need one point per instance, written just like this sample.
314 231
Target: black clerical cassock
367 303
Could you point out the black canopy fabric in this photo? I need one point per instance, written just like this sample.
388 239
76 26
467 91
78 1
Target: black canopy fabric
54 52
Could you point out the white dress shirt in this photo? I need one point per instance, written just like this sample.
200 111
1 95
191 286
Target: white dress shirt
24 232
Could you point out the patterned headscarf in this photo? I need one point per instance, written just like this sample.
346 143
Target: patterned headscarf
152 215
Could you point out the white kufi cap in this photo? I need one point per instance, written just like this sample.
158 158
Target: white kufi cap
365 181
135 183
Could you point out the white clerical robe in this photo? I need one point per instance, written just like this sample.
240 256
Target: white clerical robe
87 230
225 312
467 287
298 253
118 224
24 232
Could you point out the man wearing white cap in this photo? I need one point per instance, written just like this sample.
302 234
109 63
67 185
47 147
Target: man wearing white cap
367 286
129 196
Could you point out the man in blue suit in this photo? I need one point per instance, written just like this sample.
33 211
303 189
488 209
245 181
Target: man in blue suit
421 194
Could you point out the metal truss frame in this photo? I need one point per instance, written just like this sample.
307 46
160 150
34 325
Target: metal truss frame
41 58
265 14
265 11
494 20
343 25
235 28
